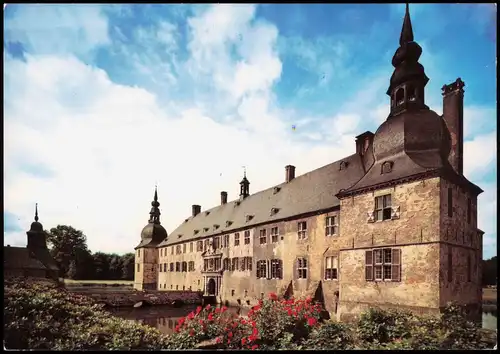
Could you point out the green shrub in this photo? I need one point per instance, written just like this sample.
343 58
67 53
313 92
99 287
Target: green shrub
382 326
44 317
330 336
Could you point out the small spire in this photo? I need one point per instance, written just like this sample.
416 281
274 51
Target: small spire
407 30
155 211
156 193
36 212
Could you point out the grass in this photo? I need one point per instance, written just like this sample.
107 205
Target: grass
76 282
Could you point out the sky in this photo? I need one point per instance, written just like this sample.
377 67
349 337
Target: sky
103 102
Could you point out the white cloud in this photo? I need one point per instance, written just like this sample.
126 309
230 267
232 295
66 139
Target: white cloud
480 155
57 29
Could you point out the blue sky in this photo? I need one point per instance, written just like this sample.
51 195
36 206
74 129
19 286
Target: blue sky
103 101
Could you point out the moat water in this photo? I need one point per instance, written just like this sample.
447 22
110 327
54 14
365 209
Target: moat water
165 318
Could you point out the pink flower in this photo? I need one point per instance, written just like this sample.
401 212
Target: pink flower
191 333
207 307
218 340
311 321
223 309
273 296
198 309
243 341
210 316
230 335
255 346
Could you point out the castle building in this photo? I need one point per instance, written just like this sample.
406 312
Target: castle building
33 261
393 225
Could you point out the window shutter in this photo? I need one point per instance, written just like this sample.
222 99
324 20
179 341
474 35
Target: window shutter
395 213
370 216
368 265
268 269
396 264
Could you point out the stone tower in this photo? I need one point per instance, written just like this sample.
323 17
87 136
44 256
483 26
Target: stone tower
146 253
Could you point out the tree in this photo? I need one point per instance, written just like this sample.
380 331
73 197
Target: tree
65 243
101 265
72 272
490 271
128 261
115 267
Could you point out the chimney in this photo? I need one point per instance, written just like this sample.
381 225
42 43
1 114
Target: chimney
223 198
196 210
363 142
289 173
453 115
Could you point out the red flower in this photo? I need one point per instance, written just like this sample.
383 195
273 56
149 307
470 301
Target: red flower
228 341
311 321
191 333
218 340
243 321
255 346
253 323
208 307
223 309
198 309
308 300
260 302
255 332
181 321
230 335
190 316
176 328
201 322
210 316
289 312
217 310
235 324
243 341
273 296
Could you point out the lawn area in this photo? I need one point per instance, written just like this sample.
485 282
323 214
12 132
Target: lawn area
489 294
76 282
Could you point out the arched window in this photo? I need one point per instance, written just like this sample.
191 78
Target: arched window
412 93
400 96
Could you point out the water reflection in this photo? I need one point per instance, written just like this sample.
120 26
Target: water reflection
164 318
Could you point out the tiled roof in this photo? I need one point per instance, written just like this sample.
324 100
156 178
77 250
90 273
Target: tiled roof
309 192
20 258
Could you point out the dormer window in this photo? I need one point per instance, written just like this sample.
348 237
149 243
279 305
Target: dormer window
249 217
205 229
207 213
343 165
237 203
186 220
228 223
276 190
196 232
216 226
274 211
179 236
387 167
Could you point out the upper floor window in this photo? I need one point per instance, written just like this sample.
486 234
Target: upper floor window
469 210
276 269
274 234
383 209
164 267
172 266
226 264
263 236
331 225
237 239
247 237
331 268
199 246
246 263
172 250
450 202
138 253
178 249
383 264
184 266
302 268
184 248
262 269
190 247
161 252
177 266
138 267
215 242
225 241
302 227
206 244
234 264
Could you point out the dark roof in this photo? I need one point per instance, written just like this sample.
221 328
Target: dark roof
20 258
151 235
46 259
307 193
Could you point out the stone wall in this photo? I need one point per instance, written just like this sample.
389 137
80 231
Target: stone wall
464 241
145 276
415 233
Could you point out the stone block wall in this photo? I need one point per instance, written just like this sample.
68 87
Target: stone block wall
146 263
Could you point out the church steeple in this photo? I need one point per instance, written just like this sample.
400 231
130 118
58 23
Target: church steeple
36 235
155 211
408 79
244 186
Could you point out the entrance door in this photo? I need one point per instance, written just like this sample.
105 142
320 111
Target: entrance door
211 286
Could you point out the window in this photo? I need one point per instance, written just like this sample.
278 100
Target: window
205 265
165 267
199 246
226 264
226 241
400 96
247 237
190 247
450 202
469 269
469 210
237 239
172 267
331 225
276 269
247 263
138 267
184 266
138 253
160 268
177 287
274 234
217 264
172 250
216 242
178 249
302 268
331 268
206 244
383 208
450 264
383 264
232 292
234 264
263 237
161 252
302 233
261 269
177 266
184 248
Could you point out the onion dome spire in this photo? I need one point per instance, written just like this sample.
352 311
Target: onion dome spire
244 185
155 211
408 79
